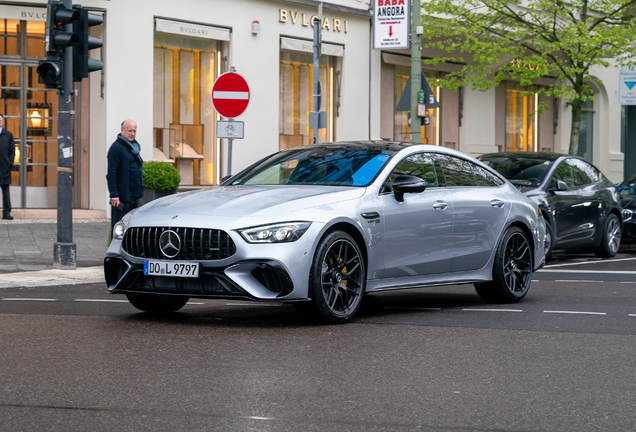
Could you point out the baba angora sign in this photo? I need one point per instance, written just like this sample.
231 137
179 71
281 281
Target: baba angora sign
391 24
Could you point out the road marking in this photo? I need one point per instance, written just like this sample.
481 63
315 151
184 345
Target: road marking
590 271
589 262
629 282
195 303
632 315
574 280
575 312
29 299
494 310
101 300
411 308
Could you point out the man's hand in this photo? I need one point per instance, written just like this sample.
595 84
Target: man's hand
114 202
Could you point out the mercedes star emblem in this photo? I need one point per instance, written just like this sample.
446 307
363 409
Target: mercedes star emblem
169 243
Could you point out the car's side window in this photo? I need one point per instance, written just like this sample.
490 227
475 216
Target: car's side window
457 172
484 178
584 173
419 165
563 172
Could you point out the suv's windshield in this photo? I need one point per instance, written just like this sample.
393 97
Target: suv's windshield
519 170
336 166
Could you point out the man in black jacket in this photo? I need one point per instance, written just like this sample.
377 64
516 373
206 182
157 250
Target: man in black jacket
7 155
124 173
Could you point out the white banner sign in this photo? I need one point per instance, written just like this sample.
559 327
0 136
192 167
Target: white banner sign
391 24
627 85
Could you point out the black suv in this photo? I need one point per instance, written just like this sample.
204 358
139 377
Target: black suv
578 202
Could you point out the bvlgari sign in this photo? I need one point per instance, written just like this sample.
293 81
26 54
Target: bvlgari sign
23 13
195 30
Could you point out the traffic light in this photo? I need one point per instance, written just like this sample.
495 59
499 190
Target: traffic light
82 65
57 39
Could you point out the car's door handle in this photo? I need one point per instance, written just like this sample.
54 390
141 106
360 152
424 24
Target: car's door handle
440 205
371 215
497 203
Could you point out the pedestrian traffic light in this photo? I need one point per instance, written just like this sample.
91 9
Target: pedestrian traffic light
82 65
57 39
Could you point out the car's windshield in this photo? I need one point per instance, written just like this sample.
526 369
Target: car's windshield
521 171
335 166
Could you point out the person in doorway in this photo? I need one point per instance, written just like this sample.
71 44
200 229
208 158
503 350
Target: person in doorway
7 155
124 175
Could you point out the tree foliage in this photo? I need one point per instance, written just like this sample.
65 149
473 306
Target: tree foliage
495 40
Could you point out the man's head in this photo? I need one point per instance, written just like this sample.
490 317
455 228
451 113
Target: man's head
129 130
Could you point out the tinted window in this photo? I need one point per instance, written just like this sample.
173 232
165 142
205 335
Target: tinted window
564 173
484 178
419 165
521 171
584 173
317 166
457 172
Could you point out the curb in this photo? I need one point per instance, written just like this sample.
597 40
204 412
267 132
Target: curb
81 275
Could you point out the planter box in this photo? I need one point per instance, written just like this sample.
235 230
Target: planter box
153 194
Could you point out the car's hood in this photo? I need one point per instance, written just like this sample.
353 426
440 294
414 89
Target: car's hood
244 201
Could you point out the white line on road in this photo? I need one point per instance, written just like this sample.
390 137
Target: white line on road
411 308
632 315
101 300
30 299
575 312
494 310
629 282
589 262
589 271
195 303
573 280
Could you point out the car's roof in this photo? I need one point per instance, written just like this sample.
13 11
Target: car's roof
526 155
383 146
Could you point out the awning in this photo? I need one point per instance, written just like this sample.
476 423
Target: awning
193 30
307 46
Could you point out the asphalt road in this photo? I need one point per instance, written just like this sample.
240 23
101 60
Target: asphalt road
75 358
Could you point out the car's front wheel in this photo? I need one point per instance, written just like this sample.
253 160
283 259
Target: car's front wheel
338 278
611 240
157 304
512 270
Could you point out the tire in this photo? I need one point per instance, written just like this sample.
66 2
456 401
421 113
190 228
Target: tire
549 239
156 304
512 270
337 280
611 239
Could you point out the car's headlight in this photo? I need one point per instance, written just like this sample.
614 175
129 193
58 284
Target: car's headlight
279 233
118 230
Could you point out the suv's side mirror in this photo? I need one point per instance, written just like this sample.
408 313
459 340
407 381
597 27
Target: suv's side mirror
560 186
407 184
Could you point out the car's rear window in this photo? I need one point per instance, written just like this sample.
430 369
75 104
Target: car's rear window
519 170
317 166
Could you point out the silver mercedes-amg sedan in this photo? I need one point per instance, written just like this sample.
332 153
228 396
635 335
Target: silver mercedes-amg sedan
319 226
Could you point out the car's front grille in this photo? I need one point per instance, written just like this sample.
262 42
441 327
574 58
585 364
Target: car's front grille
196 243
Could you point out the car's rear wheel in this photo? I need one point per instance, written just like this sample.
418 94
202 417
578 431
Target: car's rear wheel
337 281
157 304
611 240
512 270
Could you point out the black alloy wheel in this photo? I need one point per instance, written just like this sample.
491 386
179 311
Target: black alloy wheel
611 240
512 270
549 239
156 304
338 278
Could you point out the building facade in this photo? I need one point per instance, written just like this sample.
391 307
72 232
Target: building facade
160 62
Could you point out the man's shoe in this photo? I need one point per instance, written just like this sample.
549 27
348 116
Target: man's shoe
7 217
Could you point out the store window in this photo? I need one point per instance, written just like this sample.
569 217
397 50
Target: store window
185 69
402 125
295 95
586 133
522 118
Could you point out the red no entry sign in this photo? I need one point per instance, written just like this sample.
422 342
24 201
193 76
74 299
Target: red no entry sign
230 95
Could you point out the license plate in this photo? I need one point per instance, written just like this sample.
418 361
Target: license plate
171 268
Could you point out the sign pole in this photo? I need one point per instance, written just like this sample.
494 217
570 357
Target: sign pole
416 71
229 152
64 250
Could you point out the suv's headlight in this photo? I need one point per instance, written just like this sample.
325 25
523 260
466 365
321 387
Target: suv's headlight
279 233
118 230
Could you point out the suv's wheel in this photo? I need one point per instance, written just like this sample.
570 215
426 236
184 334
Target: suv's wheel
156 304
512 270
338 279
611 240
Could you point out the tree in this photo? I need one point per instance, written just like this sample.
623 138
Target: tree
494 40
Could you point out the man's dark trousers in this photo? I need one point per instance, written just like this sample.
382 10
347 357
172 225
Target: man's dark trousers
6 200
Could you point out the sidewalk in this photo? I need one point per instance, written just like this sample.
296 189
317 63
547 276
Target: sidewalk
26 249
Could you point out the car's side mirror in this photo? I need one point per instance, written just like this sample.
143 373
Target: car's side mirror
560 186
407 184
